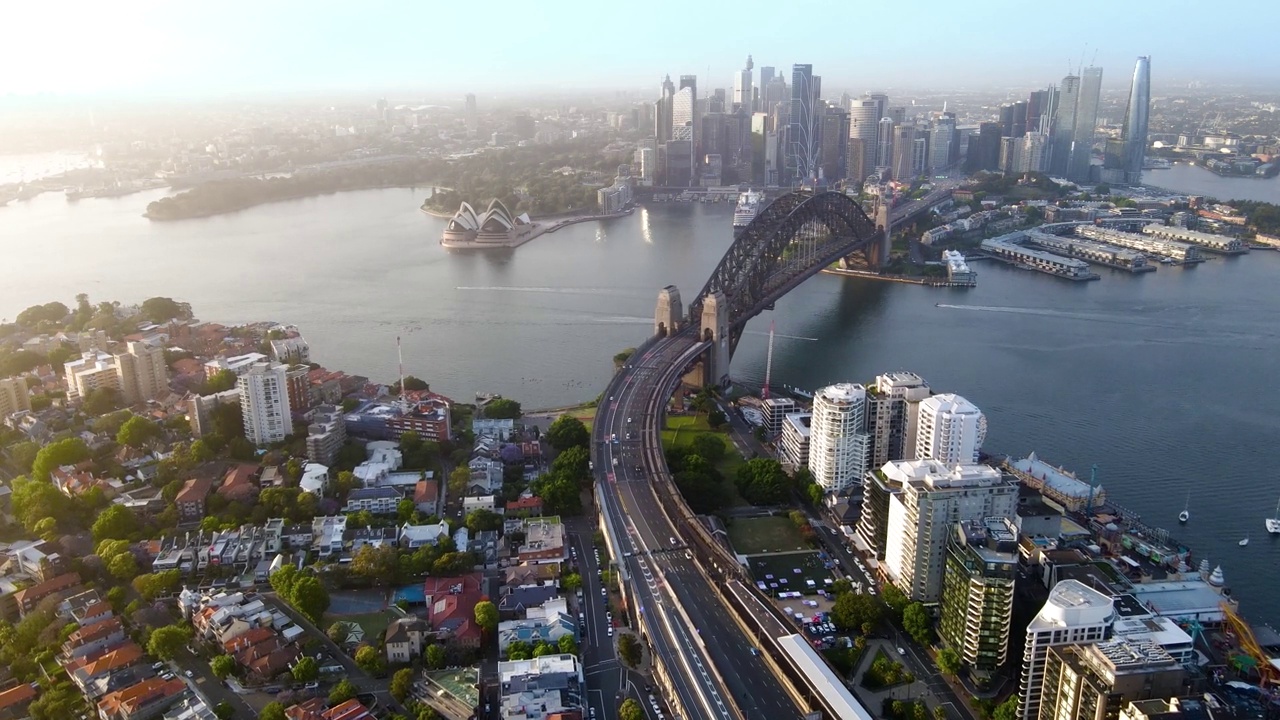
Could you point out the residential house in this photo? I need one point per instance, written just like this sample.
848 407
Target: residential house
544 541
240 484
413 537
517 575
486 477
92 638
83 671
551 686
547 623
375 536
451 604
314 709
406 638
76 480
527 506
328 534
377 500
426 497
28 598
191 499
472 503
315 479
143 700
271 477
516 602
36 558
14 701
493 427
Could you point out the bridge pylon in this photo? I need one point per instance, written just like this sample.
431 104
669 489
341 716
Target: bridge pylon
715 329
668 314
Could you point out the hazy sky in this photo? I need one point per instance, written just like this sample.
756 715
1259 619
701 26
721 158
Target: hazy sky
185 48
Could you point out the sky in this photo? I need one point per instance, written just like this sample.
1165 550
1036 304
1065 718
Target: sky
153 48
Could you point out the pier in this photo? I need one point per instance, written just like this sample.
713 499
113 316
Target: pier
1091 252
1007 248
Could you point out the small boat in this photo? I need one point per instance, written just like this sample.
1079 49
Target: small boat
1244 542
1273 522
1185 515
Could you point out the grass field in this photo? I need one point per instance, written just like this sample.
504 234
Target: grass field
374 623
753 536
784 566
682 429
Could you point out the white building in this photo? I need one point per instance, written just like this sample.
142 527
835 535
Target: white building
94 369
839 447
949 429
13 396
893 406
315 479
794 443
934 497
1074 613
543 686
264 401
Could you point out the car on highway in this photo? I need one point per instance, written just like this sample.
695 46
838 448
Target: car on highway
901 651
610 631
311 685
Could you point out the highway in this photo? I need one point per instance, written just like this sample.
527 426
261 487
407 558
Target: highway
707 654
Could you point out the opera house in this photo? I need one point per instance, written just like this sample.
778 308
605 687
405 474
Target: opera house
495 227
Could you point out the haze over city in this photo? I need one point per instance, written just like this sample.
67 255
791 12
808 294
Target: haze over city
167 50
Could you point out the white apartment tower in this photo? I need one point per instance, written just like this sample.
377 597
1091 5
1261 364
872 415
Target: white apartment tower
934 497
949 429
1074 613
839 447
893 408
264 401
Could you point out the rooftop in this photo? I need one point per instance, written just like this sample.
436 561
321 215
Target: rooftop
1072 603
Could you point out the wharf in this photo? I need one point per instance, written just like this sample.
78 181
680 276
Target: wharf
1024 266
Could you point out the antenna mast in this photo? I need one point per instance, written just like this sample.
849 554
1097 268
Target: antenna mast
768 365
404 399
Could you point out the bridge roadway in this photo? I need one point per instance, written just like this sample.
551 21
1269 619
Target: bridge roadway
707 654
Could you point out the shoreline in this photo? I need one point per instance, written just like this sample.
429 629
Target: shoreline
228 211
536 231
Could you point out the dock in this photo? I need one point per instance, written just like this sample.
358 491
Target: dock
1007 248
1095 253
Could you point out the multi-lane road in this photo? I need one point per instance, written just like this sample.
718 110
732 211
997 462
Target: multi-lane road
709 659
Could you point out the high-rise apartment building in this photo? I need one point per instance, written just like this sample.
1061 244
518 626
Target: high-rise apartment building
143 373
977 592
1086 122
1095 681
797 431
864 126
1063 125
802 128
950 430
1031 153
92 370
838 444
833 156
934 496
893 404
742 86
264 402
1074 613
14 396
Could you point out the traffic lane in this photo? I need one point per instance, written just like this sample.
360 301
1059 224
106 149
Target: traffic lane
665 647
593 605
752 684
208 686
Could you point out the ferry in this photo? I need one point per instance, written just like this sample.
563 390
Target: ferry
748 205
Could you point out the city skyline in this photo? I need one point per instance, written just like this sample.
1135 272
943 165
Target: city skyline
159 50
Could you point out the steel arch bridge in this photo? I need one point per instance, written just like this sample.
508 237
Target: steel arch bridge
791 240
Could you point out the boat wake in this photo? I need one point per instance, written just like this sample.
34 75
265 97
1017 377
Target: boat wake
533 289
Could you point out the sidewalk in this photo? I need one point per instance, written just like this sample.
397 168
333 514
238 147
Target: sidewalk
914 691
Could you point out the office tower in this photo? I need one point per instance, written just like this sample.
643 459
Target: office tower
864 126
13 396
717 102
1095 681
855 160
663 116
682 109
679 163
1040 110
838 443
1031 153
469 115
1006 120
834 154
1063 125
920 153
950 429
986 155
933 497
897 114
713 134
142 372
1074 613
759 126
1010 150
802 129
766 77
884 140
1136 116
737 134
902 166
977 592
1019 119
264 401
942 141
742 86
1085 125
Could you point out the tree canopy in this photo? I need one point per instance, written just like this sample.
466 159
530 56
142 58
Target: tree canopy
162 309
502 409
165 642
137 431
486 614
761 481
917 622
566 432
67 451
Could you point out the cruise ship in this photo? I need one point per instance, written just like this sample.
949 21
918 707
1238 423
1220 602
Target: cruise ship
748 205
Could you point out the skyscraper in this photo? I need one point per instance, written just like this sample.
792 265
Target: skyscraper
835 143
1019 119
742 86
1085 125
143 373
683 109
864 125
766 77
988 150
689 112
903 166
1063 125
264 402
838 444
1136 116
942 141
977 592
950 430
1096 680
802 132
662 116
1074 613
884 143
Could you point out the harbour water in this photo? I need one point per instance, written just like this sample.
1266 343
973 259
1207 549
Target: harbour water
1165 381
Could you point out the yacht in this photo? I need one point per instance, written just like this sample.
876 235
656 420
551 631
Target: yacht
748 205
1185 515
1273 522
1243 542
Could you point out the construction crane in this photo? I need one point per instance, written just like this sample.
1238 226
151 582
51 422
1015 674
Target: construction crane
1253 657
768 365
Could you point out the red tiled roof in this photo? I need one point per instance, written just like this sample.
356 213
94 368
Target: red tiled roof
248 639
525 503
426 491
120 657
15 696
94 632
133 698
36 593
239 482
194 490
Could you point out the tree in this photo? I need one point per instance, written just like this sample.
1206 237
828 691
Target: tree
761 481
949 661
412 384
566 432
369 659
459 478
567 645
716 418
162 309
115 523
272 711
310 598
67 451
1007 710
629 649
574 463
222 666
376 564
630 710
152 585
709 446
481 520
894 598
137 431
123 566
101 401
571 582
224 711
342 692
851 611
917 623
306 669
47 529
402 684
486 616
23 454
502 409
434 656
220 381
165 642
